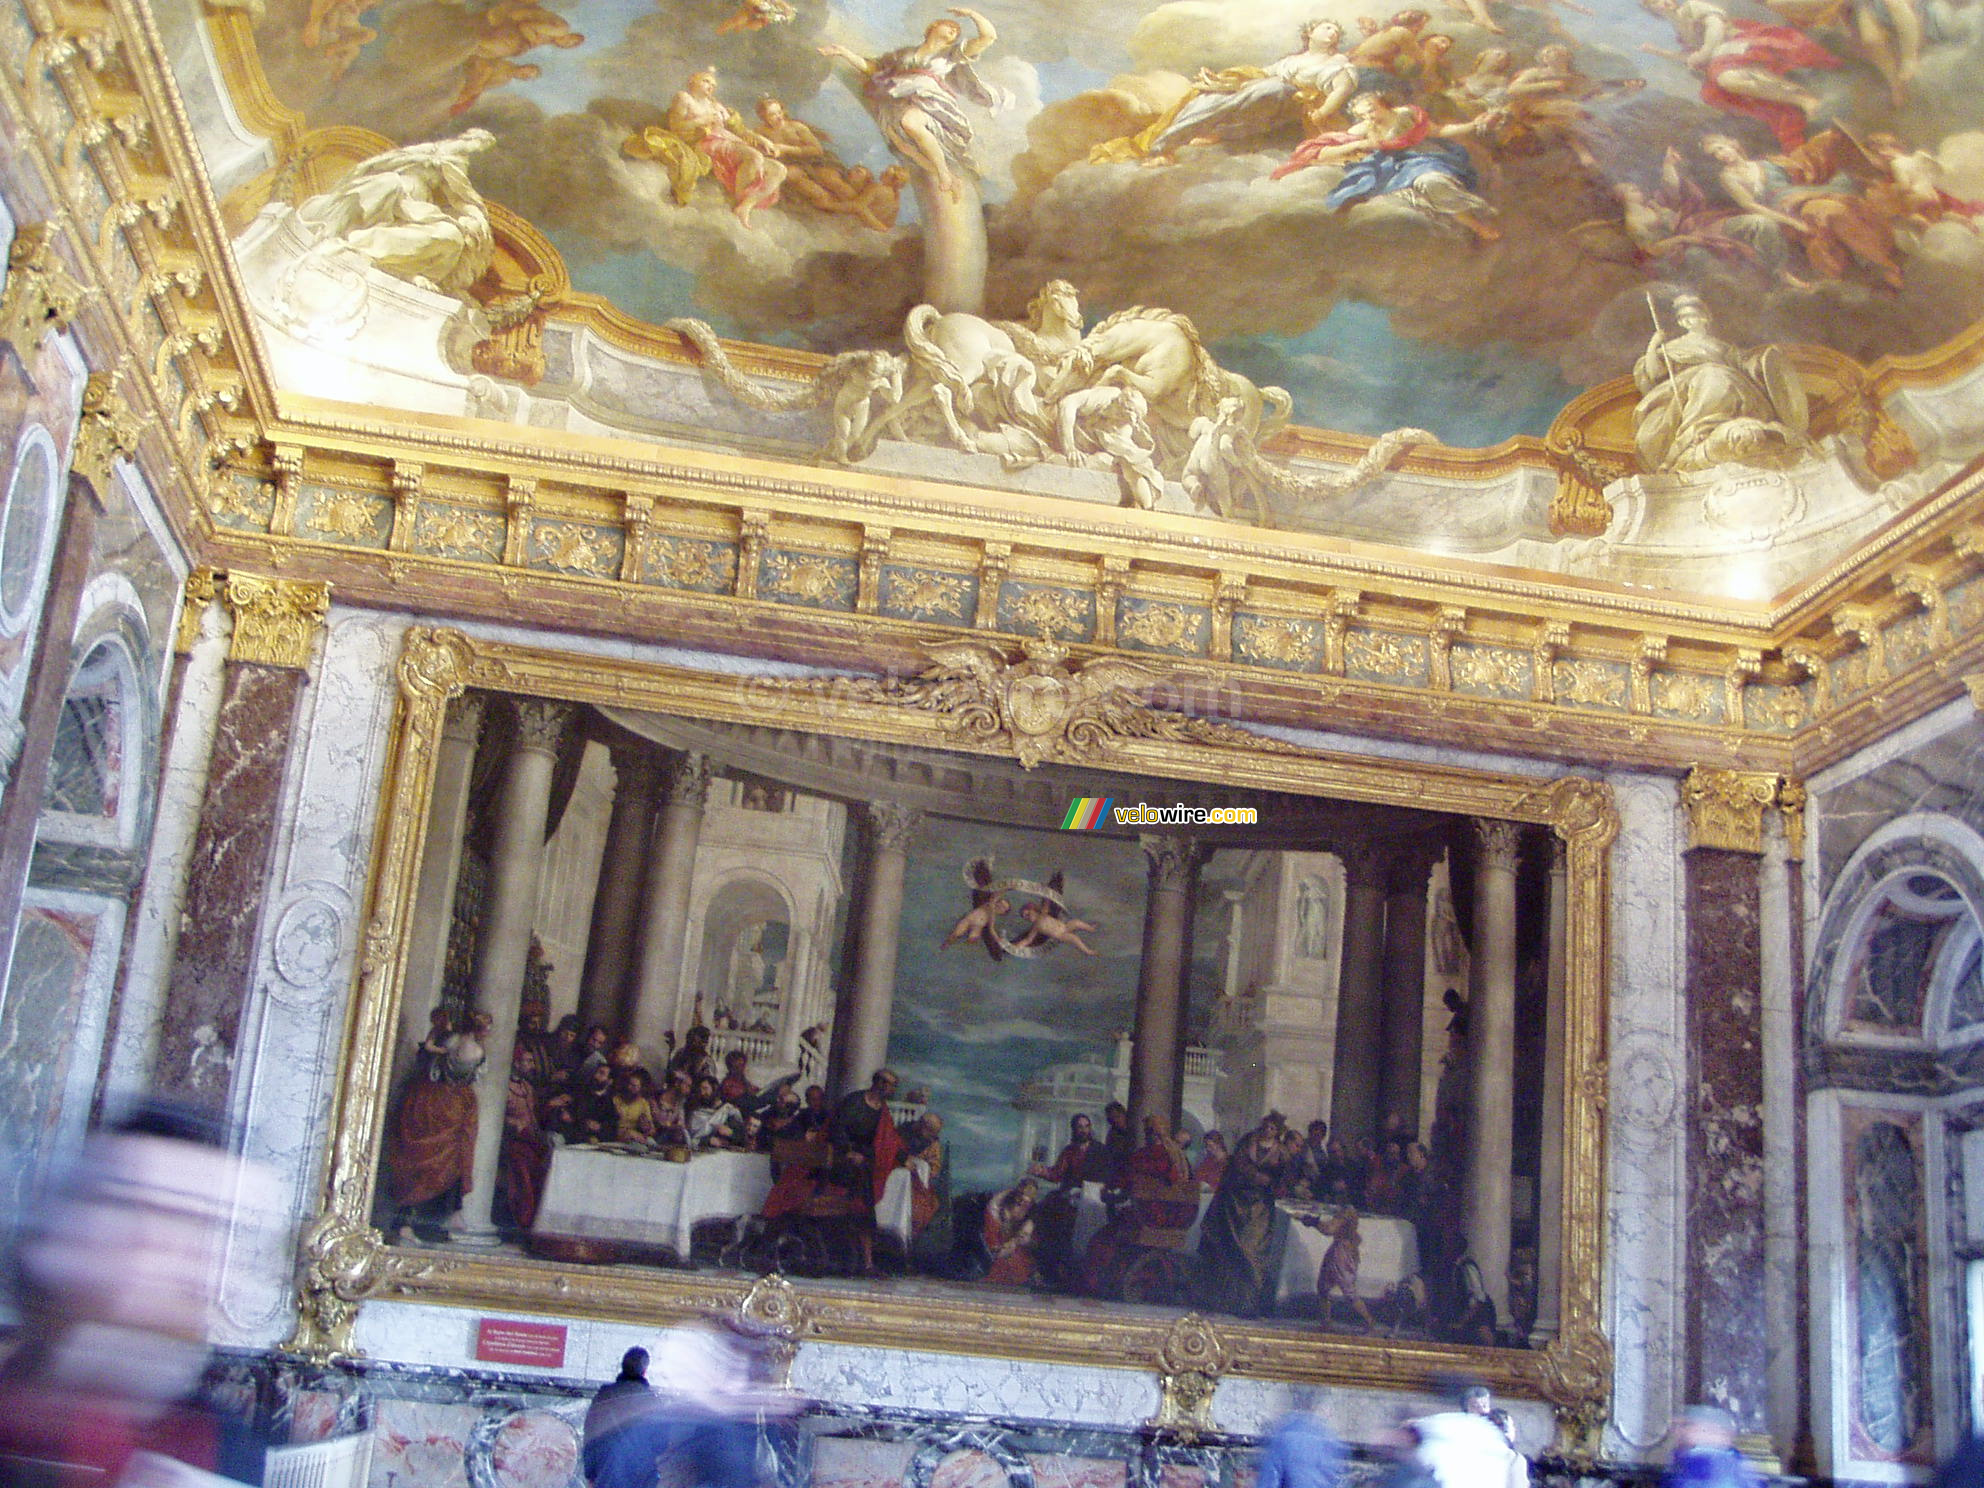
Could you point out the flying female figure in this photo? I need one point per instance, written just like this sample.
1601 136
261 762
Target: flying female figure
914 94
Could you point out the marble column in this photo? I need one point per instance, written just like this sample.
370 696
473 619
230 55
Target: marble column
502 951
1727 1338
861 1041
651 1002
1157 1037
1404 990
1783 1100
277 623
440 872
47 686
612 942
1550 1181
1491 1037
1360 1008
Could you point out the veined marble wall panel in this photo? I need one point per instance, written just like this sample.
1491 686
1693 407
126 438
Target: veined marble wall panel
339 747
1647 1203
305 957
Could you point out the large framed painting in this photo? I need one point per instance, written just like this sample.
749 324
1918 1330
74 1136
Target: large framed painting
1020 1004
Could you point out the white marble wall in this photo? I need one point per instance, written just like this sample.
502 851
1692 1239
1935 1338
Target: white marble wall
1645 1242
307 969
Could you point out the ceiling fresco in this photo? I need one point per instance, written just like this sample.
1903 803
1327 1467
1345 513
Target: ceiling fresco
1445 226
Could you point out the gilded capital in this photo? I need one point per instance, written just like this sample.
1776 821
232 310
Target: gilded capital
275 620
201 589
465 712
107 431
40 296
1726 808
1173 861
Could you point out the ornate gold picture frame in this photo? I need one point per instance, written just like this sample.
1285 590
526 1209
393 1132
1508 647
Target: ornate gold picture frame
1041 707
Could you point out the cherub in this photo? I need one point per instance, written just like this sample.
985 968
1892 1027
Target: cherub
859 380
509 29
755 15
980 922
877 200
1050 921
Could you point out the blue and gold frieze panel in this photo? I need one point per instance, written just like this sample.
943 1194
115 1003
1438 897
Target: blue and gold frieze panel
1689 697
1908 640
1158 625
355 519
1851 674
1386 656
820 581
1279 641
1047 611
445 531
1492 671
583 548
242 502
928 594
1588 682
690 563
1772 708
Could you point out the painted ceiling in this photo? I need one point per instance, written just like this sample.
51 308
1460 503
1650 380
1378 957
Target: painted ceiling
1813 170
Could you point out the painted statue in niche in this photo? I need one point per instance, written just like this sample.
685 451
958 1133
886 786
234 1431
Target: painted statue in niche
904 1038
1891 1401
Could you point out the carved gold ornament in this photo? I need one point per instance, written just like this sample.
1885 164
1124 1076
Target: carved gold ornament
1726 808
1189 1363
1042 707
108 431
40 295
276 621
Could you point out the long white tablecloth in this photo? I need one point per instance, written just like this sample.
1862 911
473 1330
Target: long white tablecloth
611 1196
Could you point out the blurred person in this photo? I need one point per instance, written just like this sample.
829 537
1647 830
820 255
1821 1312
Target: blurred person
115 1277
1506 1424
1463 1448
1705 1454
1301 1451
616 1450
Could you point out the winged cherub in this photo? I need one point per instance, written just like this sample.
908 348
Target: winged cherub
980 922
755 15
1050 921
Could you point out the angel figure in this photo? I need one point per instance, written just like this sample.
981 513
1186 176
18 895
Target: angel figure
979 923
1669 221
1050 921
509 29
755 15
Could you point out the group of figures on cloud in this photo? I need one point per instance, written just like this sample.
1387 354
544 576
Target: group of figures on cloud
1404 115
779 158
1138 396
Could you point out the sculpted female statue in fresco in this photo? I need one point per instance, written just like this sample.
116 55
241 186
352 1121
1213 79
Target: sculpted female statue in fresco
1705 403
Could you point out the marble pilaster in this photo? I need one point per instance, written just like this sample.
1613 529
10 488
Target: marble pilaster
276 626
1157 1037
1727 1356
1360 1010
503 947
41 704
1491 1034
1782 1105
651 1001
616 903
861 1041
1404 990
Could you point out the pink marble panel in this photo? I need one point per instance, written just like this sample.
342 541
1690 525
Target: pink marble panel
840 1462
1057 1471
421 1444
535 1449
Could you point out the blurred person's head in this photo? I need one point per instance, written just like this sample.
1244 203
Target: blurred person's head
634 1364
1504 1423
1704 1426
115 1270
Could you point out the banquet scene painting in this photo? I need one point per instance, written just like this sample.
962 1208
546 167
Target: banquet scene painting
1451 217
706 995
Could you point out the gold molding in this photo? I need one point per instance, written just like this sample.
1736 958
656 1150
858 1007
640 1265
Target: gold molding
106 432
276 621
201 589
1726 808
41 297
1189 1363
1573 1372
